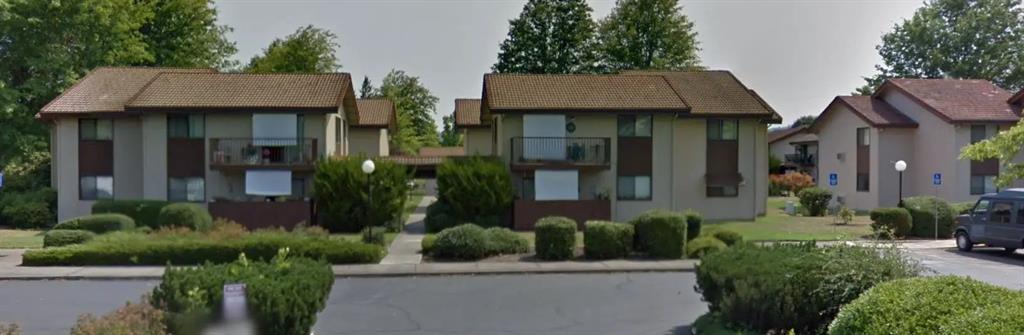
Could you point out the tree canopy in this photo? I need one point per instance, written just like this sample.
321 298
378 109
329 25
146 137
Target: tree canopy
308 50
450 136
970 39
805 120
550 36
415 105
1005 146
648 34
184 33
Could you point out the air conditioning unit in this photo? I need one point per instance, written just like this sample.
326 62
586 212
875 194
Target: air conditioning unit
841 156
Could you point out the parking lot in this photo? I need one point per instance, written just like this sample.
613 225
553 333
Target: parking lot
990 265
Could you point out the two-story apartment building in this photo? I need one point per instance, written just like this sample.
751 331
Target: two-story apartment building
796 148
614 146
924 122
230 141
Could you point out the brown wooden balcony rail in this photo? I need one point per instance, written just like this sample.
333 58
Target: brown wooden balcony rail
263 151
561 150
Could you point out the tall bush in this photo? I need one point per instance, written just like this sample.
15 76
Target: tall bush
801 287
606 240
31 209
146 213
283 295
815 200
891 222
343 193
923 212
555 238
660 233
475 189
933 305
186 215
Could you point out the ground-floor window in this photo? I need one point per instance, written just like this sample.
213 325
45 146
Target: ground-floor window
983 184
634 188
863 182
722 191
191 189
95 187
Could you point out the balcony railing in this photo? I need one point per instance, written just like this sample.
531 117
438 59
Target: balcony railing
572 151
268 152
800 159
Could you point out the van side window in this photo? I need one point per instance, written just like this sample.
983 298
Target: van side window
1001 212
981 208
1020 213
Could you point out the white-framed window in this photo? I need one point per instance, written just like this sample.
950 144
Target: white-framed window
96 129
191 189
634 188
635 125
95 187
983 184
186 126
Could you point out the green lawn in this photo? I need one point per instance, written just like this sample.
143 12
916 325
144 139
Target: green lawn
776 225
20 239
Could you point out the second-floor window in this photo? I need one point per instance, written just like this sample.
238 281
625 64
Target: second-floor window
722 166
635 125
95 129
186 126
863 159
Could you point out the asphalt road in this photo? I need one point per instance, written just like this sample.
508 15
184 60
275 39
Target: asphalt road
637 303
986 264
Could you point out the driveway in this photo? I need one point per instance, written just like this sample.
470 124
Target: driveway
986 264
623 303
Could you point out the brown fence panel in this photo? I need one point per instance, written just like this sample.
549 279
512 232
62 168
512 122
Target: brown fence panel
527 212
258 214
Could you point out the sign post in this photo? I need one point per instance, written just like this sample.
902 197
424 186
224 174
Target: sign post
936 181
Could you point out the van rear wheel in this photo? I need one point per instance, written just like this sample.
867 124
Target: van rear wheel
963 242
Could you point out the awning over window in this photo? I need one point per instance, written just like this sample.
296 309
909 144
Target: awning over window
723 179
268 182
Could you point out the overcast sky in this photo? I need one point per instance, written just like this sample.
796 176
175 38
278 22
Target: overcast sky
797 54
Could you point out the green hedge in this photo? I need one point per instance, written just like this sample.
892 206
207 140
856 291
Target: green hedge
891 222
186 215
343 194
191 248
815 200
607 240
555 238
146 213
27 208
503 241
475 189
801 287
922 211
660 233
933 305
427 244
60 238
729 237
472 242
960 208
694 221
98 223
698 247
282 296
439 217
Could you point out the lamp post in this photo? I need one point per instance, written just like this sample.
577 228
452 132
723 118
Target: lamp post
900 167
368 168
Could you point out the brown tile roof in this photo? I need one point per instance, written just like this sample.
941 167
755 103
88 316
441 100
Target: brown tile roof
467 113
715 92
781 134
244 90
375 113
874 111
579 92
442 151
106 89
957 100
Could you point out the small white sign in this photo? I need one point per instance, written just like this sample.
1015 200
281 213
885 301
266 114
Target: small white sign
234 302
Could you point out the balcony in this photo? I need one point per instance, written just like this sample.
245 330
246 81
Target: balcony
530 153
297 154
800 159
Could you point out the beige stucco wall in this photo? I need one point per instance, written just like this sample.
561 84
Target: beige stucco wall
128 169
837 134
894 144
781 148
154 156
65 166
371 142
477 141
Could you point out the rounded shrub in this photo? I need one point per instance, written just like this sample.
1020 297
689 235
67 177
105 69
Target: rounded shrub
503 241
661 234
439 217
607 240
28 215
694 221
555 238
891 222
98 223
729 237
923 213
187 215
468 242
146 213
815 200
703 245
427 244
933 305
60 238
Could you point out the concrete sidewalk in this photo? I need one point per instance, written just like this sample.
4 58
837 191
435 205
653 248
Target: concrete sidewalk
405 249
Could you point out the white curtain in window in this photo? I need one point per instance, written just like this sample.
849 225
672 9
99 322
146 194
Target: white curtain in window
274 129
544 137
556 185
268 182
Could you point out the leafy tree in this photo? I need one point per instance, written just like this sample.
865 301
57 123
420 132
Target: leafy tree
805 120
977 39
366 90
307 50
415 106
1004 146
549 36
184 33
450 136
648 34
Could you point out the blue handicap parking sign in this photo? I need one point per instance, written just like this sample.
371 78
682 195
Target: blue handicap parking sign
833 179
937 179
1 179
